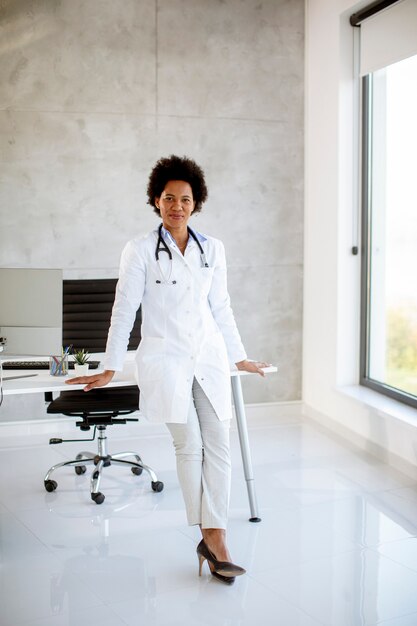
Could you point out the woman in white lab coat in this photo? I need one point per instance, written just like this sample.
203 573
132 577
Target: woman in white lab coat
189 342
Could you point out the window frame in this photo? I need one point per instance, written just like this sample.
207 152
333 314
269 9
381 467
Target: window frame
366 229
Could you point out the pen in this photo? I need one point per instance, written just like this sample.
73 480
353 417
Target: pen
64 354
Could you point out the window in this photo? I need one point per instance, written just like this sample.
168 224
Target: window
389 231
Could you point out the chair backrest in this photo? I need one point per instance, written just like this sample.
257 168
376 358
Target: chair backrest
87 307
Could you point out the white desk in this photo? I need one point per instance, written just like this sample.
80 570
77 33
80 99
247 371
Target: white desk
44 382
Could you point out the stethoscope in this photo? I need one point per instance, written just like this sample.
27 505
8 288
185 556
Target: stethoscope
161 246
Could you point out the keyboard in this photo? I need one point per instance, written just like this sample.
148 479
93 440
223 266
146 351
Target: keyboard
41 365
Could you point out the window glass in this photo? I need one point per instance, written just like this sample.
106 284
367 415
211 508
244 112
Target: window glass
392 215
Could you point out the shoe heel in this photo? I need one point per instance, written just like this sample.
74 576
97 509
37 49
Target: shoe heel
201 560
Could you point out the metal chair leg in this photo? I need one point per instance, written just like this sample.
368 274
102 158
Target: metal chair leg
101 460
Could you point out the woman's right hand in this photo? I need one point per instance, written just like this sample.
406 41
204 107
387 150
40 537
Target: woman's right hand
95 380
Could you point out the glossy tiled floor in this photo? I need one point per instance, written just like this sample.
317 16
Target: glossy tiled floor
336 546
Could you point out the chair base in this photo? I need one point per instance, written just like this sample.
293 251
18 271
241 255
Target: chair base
101 460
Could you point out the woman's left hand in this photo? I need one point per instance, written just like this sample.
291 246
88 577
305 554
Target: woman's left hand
254 367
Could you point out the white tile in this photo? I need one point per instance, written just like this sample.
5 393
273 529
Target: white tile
17 542
334 546
365 519
403 500
140 562
404 620
38 588
371 474
282 538
403 552
84 524
102 615
211 603
353 589
287 536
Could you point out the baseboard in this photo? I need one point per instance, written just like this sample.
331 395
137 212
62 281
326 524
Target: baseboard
362 443
266 414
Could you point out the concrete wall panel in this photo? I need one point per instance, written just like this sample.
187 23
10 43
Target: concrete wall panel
94 92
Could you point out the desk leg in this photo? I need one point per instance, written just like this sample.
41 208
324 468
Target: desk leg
242 429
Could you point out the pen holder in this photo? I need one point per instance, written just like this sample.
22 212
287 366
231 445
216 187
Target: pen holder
58 365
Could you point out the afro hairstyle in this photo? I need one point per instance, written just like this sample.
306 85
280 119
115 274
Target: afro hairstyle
177 168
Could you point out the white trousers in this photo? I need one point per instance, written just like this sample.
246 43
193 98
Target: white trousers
203 462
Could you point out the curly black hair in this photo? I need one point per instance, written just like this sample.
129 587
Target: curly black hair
177 168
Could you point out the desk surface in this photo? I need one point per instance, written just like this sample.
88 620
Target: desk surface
43 381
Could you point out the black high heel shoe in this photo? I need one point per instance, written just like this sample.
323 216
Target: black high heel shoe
219 569
228 580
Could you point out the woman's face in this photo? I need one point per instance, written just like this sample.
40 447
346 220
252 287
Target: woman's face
176 203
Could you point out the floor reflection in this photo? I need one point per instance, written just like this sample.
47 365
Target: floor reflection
337 544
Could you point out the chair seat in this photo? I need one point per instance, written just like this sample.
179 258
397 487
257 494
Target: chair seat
113 399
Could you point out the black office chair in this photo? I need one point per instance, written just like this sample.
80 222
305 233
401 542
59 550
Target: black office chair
87 306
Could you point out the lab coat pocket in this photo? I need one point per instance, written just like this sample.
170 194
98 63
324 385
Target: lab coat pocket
150 358
216 354
205 275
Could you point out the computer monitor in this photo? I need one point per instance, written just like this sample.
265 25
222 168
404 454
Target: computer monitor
31 311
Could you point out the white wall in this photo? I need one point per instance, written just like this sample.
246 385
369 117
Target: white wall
93 92
332 275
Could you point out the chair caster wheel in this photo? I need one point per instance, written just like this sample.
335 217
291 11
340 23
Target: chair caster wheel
157 486
50 485
137 470
98 497
80 469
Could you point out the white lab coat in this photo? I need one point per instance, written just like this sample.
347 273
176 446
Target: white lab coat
188 329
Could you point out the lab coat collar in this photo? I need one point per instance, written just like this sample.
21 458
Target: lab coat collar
167 235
